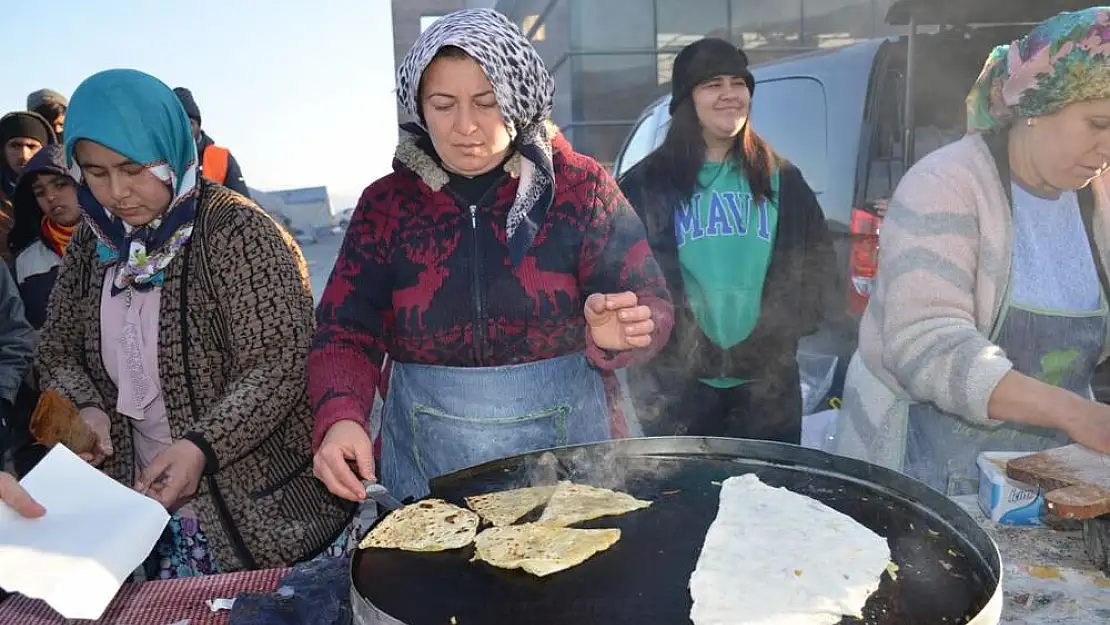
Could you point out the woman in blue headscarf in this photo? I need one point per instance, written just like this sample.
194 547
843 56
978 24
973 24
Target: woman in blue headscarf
179 327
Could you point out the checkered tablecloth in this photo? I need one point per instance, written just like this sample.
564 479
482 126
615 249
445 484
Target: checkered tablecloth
154 603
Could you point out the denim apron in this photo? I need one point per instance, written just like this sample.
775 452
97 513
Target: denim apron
441 419
1058 347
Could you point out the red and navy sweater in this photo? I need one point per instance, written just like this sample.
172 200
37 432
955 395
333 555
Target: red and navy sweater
423 279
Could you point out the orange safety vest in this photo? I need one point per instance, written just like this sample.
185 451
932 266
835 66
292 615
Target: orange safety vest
214 163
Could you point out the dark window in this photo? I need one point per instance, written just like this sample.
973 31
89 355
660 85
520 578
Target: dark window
612 25
771 29
614 86
885 159
680 22
600 142
615 72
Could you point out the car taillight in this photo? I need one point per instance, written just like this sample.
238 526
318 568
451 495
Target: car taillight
863 262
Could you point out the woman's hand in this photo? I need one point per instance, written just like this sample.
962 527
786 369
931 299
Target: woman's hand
1021 399
345 443
173 477
12 494
617 323
1089 427
101 425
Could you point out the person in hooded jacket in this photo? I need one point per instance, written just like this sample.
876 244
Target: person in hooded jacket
17 342
216 162
46 212
52 106
501 272
21 135
745 251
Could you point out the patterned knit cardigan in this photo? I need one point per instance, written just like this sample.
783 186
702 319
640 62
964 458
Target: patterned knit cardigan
235 326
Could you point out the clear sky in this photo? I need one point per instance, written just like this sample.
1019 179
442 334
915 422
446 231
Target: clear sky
302 93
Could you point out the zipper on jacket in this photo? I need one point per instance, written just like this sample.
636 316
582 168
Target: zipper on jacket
476 289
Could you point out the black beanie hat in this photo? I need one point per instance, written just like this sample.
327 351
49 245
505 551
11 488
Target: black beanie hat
25 124
187 101
704 60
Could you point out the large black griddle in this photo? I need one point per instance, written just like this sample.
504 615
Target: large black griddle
950 568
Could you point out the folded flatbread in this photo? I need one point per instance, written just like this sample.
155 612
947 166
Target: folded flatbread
774 557
429 525
575 503
541 549
56 420
508 506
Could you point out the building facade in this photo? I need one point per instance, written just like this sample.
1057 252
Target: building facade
611 58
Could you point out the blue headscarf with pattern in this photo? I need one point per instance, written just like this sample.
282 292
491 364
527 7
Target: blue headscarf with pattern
1063 60
139 117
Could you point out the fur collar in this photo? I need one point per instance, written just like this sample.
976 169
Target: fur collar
411 156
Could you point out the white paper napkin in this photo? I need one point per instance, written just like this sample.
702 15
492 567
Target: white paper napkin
96 531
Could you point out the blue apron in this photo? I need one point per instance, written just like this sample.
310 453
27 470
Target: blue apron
441 419
1058 347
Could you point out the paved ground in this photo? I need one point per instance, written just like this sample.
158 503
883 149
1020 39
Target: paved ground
321 258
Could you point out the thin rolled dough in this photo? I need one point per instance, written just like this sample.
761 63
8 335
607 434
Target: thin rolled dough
774 557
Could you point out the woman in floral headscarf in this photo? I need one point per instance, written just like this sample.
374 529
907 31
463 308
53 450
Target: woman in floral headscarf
179 326
990 312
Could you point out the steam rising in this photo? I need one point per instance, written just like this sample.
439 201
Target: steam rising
668 402
602 465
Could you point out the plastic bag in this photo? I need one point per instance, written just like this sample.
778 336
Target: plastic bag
819 430
312 593
816 372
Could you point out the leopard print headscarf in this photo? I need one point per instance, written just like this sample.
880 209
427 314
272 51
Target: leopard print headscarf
525 93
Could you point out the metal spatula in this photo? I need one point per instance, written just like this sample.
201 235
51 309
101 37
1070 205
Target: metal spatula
381 495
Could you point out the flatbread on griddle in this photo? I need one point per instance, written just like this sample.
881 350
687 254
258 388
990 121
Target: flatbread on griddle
429 525
738 580
508 506
541 549
574 503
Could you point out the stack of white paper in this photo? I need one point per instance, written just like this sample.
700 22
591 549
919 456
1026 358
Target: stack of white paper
96 531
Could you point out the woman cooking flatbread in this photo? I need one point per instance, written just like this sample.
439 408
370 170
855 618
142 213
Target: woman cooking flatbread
500 270
990 312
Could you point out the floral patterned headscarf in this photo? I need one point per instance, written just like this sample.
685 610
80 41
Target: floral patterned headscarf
1063 60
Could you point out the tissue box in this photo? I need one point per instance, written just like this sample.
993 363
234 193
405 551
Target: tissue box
1004 500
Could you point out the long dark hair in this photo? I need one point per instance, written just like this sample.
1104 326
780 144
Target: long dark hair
675 165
